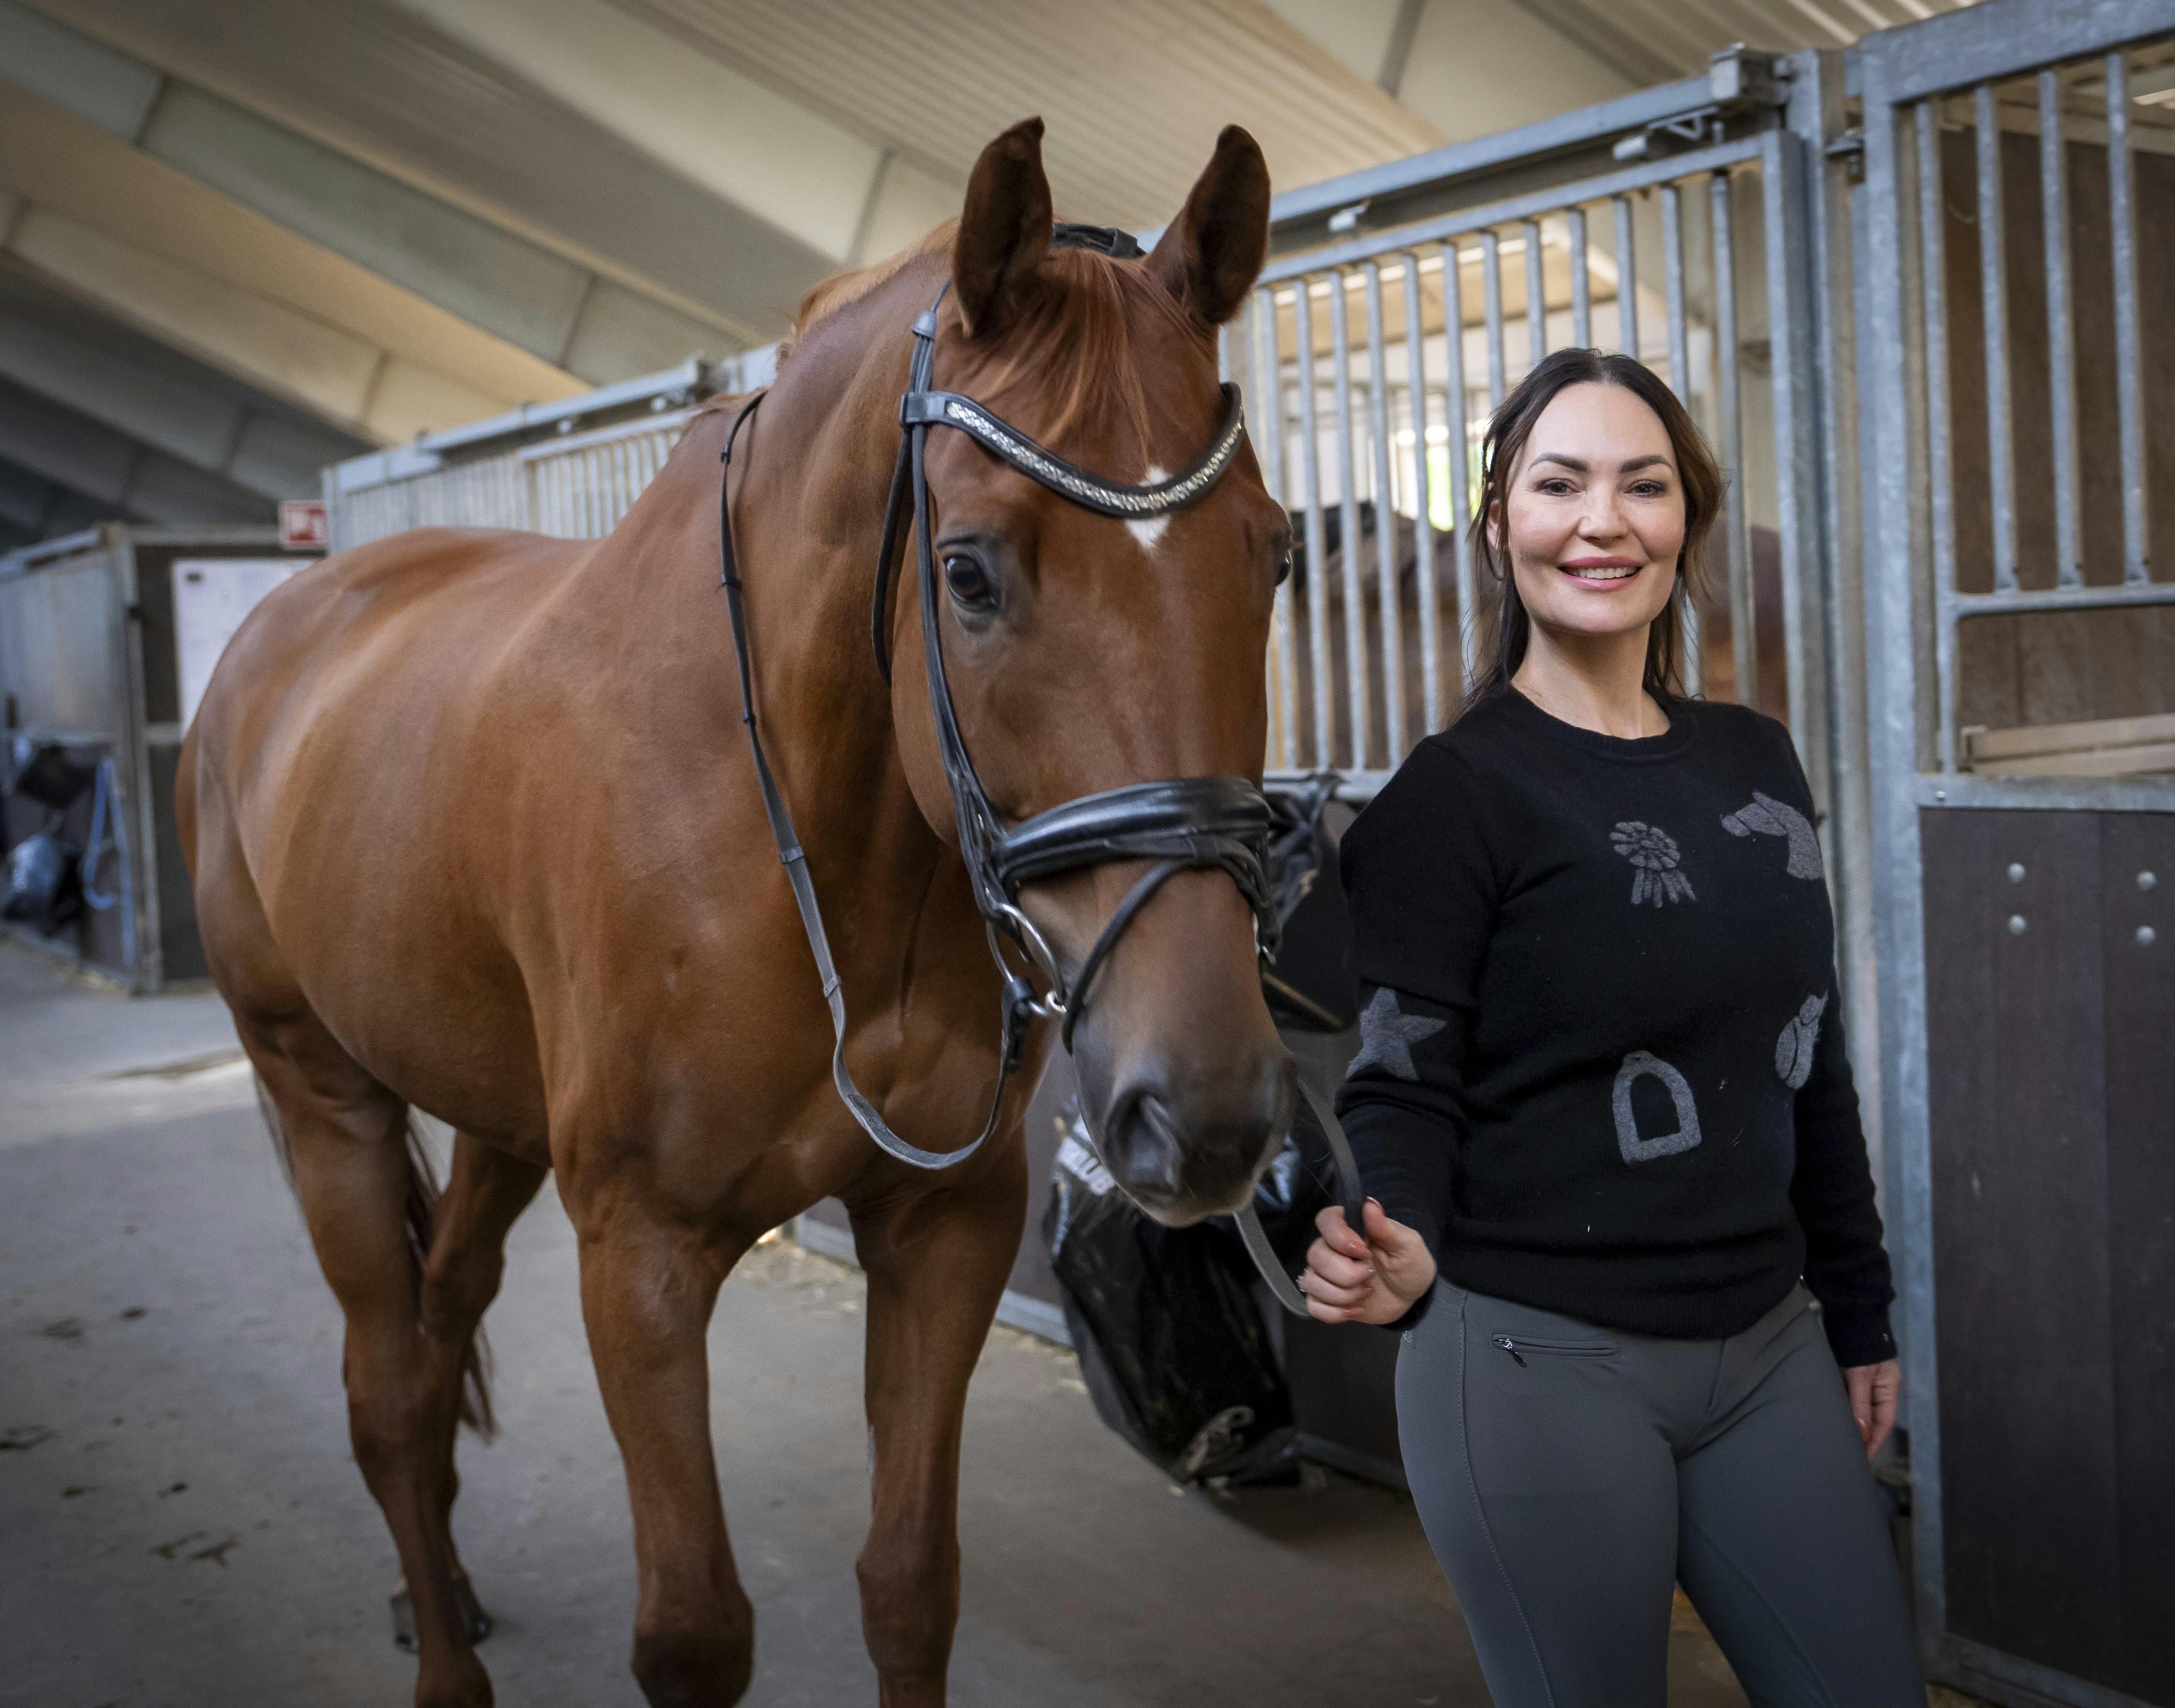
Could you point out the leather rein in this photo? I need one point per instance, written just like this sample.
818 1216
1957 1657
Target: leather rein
1180 824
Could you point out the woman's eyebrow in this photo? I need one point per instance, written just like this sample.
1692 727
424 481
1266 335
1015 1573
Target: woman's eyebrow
1580 466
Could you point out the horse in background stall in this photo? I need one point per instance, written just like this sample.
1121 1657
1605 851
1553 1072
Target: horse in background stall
475 829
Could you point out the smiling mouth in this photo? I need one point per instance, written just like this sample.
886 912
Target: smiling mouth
1600 571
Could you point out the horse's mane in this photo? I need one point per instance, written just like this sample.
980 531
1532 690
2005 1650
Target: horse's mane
1074 347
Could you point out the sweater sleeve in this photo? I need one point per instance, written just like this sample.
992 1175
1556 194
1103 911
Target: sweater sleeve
1831 1191
1422 891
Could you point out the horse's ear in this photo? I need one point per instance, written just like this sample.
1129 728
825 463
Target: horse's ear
1004 230
1209 256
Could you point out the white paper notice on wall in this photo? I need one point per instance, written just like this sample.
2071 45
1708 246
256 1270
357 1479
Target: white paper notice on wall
212 595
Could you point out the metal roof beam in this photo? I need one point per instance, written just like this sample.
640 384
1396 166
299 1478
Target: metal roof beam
87 456
106 372
199 271
500 281
391 91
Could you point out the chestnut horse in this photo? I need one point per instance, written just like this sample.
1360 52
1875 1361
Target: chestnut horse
475 830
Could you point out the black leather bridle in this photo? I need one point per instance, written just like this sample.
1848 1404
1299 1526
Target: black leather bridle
1180 824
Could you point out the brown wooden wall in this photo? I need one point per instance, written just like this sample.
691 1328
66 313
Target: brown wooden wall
2052 1085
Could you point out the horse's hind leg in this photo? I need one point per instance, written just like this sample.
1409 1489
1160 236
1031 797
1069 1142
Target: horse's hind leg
367 1203
936 1263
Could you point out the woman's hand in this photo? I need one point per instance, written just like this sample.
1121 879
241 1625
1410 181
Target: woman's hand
1873 1389
1376 1279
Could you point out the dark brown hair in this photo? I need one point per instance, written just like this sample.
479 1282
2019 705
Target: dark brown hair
1504 625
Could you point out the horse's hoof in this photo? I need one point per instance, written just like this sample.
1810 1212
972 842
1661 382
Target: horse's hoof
472 1613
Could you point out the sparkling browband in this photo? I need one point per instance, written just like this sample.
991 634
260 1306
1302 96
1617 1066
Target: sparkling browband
999 437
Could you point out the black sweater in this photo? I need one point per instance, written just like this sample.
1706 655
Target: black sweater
1603 1069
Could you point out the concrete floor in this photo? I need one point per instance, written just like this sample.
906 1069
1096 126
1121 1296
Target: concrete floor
183 1523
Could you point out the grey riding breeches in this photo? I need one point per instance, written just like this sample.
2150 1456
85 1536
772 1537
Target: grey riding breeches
1569 1476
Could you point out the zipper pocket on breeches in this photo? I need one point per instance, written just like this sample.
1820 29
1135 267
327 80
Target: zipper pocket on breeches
1548 1349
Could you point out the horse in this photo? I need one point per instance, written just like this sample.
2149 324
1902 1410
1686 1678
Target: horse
475 829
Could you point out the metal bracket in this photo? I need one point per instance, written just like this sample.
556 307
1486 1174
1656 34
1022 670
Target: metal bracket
1849 148
1740 83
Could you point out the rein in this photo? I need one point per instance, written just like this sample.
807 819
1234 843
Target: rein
1182 824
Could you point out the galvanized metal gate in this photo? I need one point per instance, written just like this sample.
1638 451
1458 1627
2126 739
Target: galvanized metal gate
2017 216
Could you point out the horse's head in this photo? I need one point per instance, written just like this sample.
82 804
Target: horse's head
1086 653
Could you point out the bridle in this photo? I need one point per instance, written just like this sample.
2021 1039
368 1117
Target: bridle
1182 824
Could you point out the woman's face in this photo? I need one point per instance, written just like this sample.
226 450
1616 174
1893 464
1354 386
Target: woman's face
1596 514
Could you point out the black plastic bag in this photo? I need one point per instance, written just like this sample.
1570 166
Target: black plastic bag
52 779
42 883
1171 1341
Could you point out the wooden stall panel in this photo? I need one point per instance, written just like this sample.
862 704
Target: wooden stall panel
2051 1084
2018 1122
2138 944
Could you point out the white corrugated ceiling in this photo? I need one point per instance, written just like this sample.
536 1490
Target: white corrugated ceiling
1134 91
1657 40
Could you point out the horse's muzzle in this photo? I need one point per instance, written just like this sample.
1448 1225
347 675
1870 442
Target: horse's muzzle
1186 1145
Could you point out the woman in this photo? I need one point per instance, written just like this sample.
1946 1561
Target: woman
1621 1207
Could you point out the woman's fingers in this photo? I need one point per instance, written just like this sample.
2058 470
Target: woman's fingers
1340 1236
1873 1390
1337 1269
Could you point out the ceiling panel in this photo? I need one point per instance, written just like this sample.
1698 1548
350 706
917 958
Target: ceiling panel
1134 91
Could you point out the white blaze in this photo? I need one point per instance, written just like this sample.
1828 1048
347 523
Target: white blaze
1150 530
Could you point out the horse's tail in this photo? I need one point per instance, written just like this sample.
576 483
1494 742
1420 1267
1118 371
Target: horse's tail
422 1203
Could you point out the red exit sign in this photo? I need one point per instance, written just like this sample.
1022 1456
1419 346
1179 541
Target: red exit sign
304 526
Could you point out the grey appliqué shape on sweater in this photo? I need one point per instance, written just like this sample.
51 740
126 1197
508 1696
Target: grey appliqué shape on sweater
1768 816
1794 1050
1654 854
1387 1034
1644 1063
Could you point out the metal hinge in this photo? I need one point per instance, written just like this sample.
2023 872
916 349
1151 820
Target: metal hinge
1740 83
1849 148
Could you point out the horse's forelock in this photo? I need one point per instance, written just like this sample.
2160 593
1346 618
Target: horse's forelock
1073 350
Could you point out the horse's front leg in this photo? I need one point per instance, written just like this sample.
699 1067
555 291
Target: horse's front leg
649 1282
936 1257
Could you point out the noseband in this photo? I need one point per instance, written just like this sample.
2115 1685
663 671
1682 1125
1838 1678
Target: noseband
1180 824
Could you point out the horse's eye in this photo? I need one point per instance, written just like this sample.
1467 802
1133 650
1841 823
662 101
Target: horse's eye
969 582
1284 568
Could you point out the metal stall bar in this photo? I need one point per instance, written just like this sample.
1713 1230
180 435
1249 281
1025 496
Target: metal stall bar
1356 699
1627 280
1993 290
2129 390
1680 382
1317 546
1459 445
1385 518
1892 390
1268 437
1802 537
1491 286
1537 297
1581 294
1431 706
1940 473
2061 336
1744 649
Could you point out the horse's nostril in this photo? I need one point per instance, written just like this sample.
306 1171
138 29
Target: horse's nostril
1145 1151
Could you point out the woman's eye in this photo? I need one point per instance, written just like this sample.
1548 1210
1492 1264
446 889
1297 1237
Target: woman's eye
1555 488
1647 488
968 582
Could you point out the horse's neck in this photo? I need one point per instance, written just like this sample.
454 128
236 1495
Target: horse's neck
811 470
